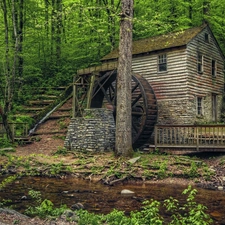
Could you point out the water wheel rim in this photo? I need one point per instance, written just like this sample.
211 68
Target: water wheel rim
143 118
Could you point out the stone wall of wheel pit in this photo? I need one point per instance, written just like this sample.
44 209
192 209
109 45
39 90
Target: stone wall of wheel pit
95 131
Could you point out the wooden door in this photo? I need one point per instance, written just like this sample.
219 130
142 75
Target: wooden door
214 107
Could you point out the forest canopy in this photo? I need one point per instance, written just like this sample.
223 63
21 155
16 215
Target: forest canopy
44 42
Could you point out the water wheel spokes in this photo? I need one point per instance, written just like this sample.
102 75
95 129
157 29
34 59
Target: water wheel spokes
143 103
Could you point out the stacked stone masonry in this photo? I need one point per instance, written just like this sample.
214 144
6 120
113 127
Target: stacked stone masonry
95 131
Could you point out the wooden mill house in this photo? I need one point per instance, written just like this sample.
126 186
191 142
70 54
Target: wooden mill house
185 71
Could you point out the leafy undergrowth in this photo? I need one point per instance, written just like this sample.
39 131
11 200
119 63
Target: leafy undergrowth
189 212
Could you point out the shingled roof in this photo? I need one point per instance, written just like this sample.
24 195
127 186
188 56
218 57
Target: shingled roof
170 40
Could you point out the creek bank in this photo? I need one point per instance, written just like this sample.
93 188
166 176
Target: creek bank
201 171
39 159
98 197
9 217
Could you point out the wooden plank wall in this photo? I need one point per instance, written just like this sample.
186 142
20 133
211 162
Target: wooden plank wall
201 84
177 88
181 80
168 85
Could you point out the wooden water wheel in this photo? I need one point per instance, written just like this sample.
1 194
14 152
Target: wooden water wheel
144 106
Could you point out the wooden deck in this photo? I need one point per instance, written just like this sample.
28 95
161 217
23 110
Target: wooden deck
190 137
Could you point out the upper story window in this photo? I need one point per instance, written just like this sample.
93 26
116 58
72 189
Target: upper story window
200 63
162 63
213 68
207 37
199 106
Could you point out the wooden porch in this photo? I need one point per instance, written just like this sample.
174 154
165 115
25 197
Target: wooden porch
191 138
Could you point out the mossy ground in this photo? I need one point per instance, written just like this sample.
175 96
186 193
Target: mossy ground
105 167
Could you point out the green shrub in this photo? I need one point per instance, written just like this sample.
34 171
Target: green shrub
148 215
23 119
189 213
44 208
88 218
4 142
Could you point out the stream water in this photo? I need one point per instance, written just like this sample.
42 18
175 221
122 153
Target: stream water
99 198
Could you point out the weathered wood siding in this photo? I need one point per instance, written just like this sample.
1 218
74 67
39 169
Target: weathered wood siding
167 85
177 88
200 84
170 87
204 85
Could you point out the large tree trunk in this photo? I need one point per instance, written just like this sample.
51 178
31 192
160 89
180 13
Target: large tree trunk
123 114
20 37
8 88
4 109
6 125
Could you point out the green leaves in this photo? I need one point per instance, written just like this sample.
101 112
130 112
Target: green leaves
43 208
190 212
88 30
56 40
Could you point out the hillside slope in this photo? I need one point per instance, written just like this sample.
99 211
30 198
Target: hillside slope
50 134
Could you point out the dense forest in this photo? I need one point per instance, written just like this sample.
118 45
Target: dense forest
44 42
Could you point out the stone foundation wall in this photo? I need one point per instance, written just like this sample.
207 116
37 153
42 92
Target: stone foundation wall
175 112
207 108
93 132
184 111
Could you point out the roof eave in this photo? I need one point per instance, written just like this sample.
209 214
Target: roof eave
146 53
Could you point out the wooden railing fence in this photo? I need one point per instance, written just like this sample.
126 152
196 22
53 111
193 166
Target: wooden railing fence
193 137
18 130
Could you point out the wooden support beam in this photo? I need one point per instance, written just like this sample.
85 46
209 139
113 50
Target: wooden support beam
89 97
74 103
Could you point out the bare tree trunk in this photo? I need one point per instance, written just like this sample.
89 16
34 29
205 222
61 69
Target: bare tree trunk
53 25
16 51
20 37
190 13
45 46
46 18
123 113
111 9
6 125
206 10
58 32
7 87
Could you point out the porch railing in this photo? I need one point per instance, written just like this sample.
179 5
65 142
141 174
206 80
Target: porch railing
196 137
